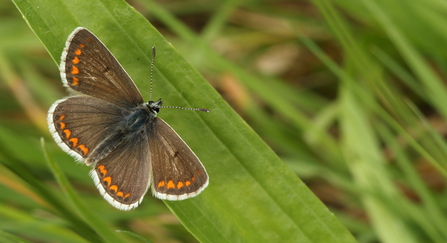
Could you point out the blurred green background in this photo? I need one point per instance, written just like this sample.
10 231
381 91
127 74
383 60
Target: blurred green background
350 94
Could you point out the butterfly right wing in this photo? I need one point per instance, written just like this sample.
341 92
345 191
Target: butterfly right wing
177 173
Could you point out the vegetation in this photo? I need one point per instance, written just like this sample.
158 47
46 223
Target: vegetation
349 96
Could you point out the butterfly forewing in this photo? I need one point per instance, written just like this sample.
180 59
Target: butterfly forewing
88 67
177 173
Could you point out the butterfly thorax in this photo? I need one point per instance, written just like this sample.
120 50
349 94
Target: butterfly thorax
137 121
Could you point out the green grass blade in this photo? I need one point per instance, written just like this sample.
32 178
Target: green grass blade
98 224
45 195
262 87
6 237
367 167
431 82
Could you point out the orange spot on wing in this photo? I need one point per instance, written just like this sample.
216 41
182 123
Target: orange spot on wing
82 45
108 179
198 172
61 125
187 183
127 195
102 170
75 60
61 117
120 194
114 188
83 149
67 133
75 81
89 39
74 141
171 184
161 184
193 178
180 185
74 70
78 52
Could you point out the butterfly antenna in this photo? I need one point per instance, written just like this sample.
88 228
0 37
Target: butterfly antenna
152 71
175 107
186 108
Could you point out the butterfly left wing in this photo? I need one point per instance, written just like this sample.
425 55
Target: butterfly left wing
177 173
122 177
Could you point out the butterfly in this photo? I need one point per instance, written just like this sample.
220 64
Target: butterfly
107 125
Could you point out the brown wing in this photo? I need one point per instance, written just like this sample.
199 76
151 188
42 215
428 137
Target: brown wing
79 123
122 177
177 173
87 66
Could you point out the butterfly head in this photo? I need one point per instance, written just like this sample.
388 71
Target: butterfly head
155 106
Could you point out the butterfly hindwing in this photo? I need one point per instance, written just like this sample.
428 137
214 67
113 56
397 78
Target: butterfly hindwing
88 67
122 177
177 173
